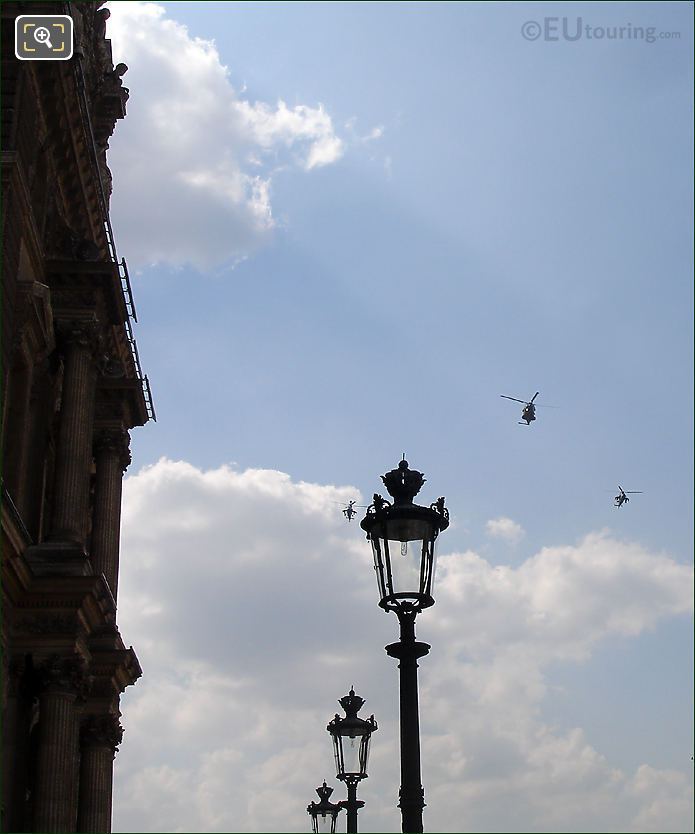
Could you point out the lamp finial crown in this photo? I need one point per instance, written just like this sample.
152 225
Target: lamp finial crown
351 703
402 483
324 791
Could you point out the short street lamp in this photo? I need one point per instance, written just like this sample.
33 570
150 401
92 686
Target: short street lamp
323 813
403 537
351 738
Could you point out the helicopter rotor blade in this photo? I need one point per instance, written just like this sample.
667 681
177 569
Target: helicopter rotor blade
535 395
634 492
513 398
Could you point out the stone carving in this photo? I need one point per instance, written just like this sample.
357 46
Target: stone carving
87 250
105 173
113 82
68 675
101 731
83 333
49 624
111 367
116 441
112 98
100 18
64 243
33 321
100 45
14 678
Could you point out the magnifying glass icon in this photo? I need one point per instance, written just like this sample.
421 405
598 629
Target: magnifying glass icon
42 35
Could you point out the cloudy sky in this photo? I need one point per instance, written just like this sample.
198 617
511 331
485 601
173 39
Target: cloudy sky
350 228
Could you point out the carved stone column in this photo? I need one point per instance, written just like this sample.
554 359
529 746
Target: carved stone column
100 737
71 493
41 409
33 341
55 805
14 745
112 458
17 434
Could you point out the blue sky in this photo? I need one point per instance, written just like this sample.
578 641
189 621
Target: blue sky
441 211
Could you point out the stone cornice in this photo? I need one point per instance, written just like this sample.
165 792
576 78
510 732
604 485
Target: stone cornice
114 666
62 609
80 284
121 399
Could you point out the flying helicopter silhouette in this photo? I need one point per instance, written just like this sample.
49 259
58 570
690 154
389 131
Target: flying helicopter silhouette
528 415
621 498
349 510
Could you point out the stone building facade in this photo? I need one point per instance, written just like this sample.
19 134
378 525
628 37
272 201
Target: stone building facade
72 391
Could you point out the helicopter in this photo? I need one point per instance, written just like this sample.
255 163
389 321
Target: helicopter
528 415
622 498
349 510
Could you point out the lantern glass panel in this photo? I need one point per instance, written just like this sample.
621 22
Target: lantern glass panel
410 544
365 752
336 754
351 753
433 566
325 823
406 559
379 566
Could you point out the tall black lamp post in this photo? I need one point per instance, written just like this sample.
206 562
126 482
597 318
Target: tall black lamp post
403 537
351 738
323 813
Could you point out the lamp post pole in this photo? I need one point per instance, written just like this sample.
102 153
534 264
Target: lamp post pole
352 805
403 537
407 651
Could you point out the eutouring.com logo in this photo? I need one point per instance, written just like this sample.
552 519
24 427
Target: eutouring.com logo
574 29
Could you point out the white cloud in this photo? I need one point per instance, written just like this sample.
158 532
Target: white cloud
374 133
193 161
505 528
252 606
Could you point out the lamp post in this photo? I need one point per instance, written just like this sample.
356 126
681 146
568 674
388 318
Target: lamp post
323 813
351 738
403 537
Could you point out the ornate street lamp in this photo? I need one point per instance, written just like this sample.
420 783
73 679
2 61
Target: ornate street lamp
351 737
403 537
323 813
